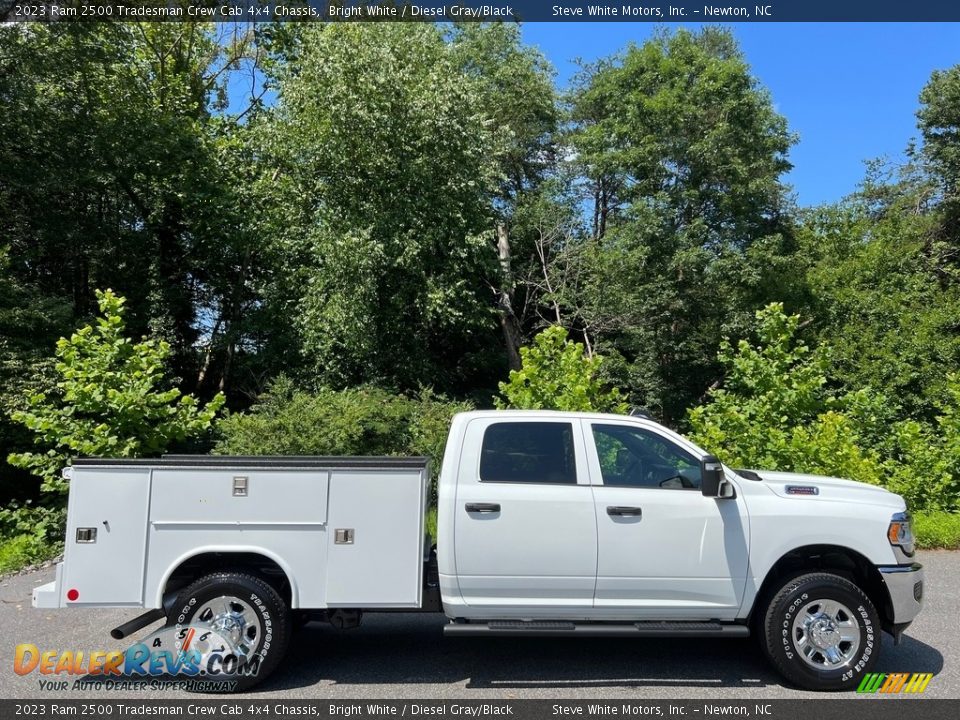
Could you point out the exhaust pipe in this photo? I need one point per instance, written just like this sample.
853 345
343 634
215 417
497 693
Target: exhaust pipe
141 621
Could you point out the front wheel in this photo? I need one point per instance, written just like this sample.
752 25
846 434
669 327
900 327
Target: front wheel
821 632
236 625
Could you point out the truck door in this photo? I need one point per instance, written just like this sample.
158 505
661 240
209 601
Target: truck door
665 550
525 531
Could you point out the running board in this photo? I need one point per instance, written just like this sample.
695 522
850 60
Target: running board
549 628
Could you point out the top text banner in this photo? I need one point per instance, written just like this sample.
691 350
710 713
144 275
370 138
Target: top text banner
676 11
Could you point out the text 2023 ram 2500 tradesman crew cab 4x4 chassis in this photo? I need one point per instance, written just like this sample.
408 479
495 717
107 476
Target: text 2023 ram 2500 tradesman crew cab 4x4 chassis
548 524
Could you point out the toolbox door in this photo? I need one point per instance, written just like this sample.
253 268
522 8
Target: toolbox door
106 536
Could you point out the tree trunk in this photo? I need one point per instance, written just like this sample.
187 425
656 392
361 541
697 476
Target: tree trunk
508 318
208 353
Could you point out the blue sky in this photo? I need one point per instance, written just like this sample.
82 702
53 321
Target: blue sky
848 89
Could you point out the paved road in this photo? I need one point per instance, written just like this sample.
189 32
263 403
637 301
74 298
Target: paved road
405 656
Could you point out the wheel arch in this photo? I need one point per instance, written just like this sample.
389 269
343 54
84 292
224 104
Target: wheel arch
836 559
201 561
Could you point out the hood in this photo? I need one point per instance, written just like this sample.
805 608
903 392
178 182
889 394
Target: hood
828 488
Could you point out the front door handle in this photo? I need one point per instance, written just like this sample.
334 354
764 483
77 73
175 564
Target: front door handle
624 511
483 507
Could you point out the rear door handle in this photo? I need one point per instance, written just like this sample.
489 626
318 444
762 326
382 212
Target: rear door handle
624 511
483 507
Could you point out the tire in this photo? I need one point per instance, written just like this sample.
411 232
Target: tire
821 632
249 616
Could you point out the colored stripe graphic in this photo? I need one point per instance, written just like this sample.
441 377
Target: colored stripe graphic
871 682
918 683
893 683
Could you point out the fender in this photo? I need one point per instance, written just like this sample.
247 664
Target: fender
229 549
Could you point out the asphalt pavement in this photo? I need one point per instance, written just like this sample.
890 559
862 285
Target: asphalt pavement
406 656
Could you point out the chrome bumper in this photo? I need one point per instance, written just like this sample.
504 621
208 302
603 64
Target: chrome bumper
905 586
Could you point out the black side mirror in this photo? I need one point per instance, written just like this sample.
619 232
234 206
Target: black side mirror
711 476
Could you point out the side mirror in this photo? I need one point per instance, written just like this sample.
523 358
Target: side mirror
711 476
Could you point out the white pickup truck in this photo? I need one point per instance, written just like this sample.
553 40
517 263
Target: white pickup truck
548 524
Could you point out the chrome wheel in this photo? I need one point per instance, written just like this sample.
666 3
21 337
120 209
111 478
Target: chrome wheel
226 625
826 634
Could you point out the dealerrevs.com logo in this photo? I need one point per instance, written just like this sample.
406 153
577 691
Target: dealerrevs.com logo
196 656
892 683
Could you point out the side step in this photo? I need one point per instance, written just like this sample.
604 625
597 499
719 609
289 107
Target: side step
550 628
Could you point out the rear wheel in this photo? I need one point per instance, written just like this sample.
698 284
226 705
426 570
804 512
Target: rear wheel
821 632
237 624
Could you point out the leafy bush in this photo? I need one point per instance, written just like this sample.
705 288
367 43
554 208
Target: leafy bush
107 397
109 401
937 530
777 411
556 375
22 550
30 534
358 421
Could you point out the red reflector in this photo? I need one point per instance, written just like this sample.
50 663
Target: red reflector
72 594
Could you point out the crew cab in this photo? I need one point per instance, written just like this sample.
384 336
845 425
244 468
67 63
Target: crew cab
548 524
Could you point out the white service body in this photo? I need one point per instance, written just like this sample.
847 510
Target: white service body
152 517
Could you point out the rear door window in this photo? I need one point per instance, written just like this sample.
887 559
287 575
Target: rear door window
529 452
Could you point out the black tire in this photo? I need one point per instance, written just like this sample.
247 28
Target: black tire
794 621
263 604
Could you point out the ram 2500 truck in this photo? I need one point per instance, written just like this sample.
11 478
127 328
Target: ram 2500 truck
548 524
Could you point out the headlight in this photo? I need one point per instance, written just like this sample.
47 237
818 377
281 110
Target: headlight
900 533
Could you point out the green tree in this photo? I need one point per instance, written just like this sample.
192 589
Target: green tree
384 149
939 123
939 160
776 410
876 298
110 400
30 323
681 153
133 191
517 96
556 375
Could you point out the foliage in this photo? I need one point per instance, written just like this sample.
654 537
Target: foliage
556 375
137 191
22 550
924 464
939 123
681 153
431 523
514 84
878 302
776 410
385 142
31 533
30 323
358 421
937 530
110 400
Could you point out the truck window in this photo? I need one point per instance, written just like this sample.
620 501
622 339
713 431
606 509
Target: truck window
528 452
633 457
